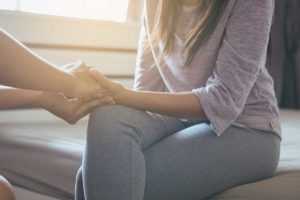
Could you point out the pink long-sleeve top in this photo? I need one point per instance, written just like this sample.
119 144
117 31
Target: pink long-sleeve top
228 73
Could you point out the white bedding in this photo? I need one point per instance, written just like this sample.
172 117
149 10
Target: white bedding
42 154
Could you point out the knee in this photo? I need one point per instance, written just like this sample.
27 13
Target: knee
6 192
110 113
113 122
109 117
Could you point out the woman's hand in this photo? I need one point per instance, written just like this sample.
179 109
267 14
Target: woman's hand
83 84
70 110
109 87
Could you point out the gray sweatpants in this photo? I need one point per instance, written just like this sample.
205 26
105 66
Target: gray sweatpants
134 155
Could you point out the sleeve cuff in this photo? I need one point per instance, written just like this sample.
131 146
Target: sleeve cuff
206 102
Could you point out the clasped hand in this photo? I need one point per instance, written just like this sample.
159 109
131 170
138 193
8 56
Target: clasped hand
90 89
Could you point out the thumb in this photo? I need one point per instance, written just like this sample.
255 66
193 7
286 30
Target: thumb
99 78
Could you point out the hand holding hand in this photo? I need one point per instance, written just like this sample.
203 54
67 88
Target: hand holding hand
84 85
70 110
109 87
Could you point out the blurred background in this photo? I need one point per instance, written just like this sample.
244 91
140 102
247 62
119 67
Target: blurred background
284 65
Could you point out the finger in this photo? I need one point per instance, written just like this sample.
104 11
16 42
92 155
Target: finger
83 65
97 95
87 107
89 66
100 78
98 102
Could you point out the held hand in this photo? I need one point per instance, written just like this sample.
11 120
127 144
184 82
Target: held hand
84 85
109 87
70 110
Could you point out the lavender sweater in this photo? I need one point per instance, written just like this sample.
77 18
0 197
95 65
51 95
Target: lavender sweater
228 74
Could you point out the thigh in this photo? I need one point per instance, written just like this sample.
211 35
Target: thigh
113 157
116 121
195 163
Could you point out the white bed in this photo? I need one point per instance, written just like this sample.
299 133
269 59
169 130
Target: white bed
40 155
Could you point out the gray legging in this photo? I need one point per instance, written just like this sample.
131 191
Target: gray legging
134 155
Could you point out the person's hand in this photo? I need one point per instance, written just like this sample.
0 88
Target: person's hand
84 85
70 110
109 87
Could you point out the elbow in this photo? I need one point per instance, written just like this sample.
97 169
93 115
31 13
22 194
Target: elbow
219 107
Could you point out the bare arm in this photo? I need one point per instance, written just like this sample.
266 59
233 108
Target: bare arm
22 68
68 110
17 98
181 105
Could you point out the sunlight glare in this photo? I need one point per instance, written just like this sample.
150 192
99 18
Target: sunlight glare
112 10
8 4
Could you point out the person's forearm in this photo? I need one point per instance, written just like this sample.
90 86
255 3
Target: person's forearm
18 98
21 68
181 105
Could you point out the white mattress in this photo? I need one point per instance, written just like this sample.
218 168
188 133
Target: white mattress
42 154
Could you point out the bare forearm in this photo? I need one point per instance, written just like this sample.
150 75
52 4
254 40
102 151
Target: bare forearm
18 98
21 68
181 105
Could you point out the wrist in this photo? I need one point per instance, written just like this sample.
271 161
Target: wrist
39 99
69 88
122 96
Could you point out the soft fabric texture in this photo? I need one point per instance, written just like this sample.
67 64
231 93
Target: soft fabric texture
133 154
228 73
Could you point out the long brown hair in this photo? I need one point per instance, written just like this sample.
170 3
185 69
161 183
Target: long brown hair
165 24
